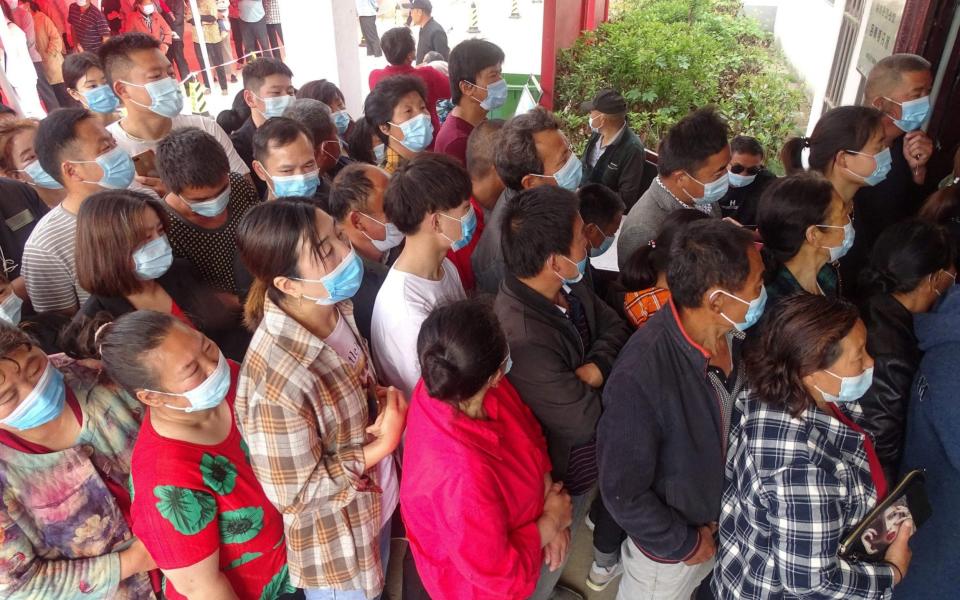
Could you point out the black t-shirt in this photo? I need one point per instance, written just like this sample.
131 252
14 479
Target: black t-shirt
741 203
20 209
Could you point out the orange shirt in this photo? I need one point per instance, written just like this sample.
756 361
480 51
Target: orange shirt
640 306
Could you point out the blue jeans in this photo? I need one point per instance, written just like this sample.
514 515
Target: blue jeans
333 594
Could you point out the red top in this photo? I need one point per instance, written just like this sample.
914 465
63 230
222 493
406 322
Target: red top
462 258
190 500
876 470
177 312
438 86
452 139
471 494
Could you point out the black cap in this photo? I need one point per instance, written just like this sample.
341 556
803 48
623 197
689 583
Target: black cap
423 5
608 101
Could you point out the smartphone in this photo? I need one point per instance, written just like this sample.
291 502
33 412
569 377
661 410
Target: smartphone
146 164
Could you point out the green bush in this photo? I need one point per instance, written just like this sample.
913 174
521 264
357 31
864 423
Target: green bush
668 57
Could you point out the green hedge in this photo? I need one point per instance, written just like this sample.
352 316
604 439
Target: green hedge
669 56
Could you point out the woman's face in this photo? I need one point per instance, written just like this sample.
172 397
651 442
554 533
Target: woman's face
150 229
853 361
184 360
22 152
409 107
20 370
862 163
831 236
334 248
93 78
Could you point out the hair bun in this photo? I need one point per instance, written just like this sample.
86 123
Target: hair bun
439 374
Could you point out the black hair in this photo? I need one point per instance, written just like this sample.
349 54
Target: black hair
350 190
75 67
460 347
322 90
384 98
647 262
516 155
433 56
843 129
123 342
358 141
191 158
115 52
398 45
427 183
469 58
315 116
278 131
788 207
482 145
744 144
55 134
233 118
706 254
6 110
537 223
904 254
599 204
691 141
256 72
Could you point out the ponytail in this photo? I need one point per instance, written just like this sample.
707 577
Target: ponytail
253 308
792 154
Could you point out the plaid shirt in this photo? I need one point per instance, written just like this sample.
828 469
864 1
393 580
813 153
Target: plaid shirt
303 412
392 160
794 488
272 8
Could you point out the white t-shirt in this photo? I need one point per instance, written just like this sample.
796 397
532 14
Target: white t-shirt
402 304
134 146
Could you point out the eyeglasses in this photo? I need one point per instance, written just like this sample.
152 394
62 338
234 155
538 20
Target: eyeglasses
737 169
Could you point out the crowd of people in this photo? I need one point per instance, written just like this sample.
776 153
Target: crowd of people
240 355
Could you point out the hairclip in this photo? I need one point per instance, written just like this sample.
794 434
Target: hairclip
99 332
652 243
805 141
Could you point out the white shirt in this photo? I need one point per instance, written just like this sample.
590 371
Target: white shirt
134 146
599 149
366 8
402 304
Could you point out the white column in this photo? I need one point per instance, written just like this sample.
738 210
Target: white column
321 38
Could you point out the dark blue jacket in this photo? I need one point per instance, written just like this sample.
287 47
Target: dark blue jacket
933 443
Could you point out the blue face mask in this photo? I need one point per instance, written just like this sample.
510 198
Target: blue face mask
165 95
341 119
740 180
754 310
712 192
884 162
912 113
851 388
117 167
496 95
581 267
417 133
468 224
604 245
208 394
274 107
507 364
153 259
43 404
40 178
341 283
10 309
849 234
379 152
304 185
212 207
101 99
569 175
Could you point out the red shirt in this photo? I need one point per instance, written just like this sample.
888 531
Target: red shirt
438 86
452 139
461 259
471 494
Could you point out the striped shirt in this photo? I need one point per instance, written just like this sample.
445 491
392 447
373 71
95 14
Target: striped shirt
89 27
48 263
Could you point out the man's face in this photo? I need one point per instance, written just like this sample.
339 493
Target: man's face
328 153
92 140
147 66
273 86
695 183
296 158
554 152
417 16
913 85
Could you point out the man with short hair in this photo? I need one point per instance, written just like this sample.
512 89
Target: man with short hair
563 339
748 179
692 174
481 150
433 38
615 155
667 408
285 160
532 151
602 211
428 199
399 50
76 150
317 118
477 87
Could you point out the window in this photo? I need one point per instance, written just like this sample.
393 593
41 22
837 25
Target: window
846 40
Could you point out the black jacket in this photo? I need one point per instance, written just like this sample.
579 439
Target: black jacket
373 275
660 442
896 354
546 350
620 167
432 38
242 140
20 209
741 203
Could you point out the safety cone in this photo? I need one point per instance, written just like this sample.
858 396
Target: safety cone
474 19
515 13
198 102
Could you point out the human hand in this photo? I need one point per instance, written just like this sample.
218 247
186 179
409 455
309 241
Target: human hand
558 505
590 374
898 553
135 559
392 418
153 183
707 547
555 552
917 149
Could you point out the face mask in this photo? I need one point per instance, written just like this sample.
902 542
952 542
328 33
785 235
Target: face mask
851 388
165 95
849 234
883 161
417 133
603 247
581 267
392 239
754 310
569 175
379 151
712 192
296 185
341 283
153 259
468 224
101 99
596 128
43 404
208 394
117 167
212 207
10 309
148 9
40 178
507 365
912 113
274 107
341 119
496 95
740 180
